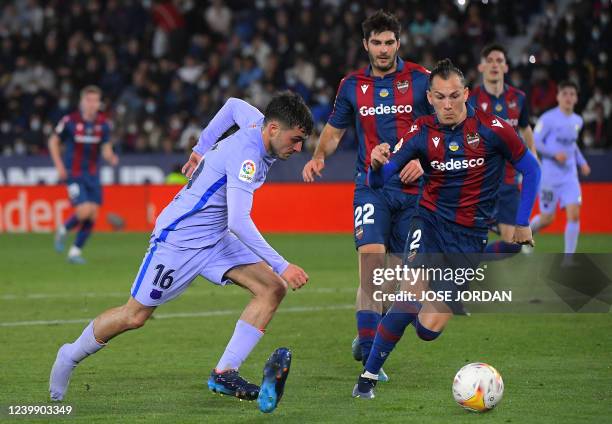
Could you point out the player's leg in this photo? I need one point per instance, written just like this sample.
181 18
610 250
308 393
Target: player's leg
571 199
94 337
572 228
505 215
548 204
86 213
164 274
232 261
267 290
372 220
422 235
77 195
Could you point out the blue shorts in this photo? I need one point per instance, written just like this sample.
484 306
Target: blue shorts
167 270
82 189
508 200
382 216
435 242
564 193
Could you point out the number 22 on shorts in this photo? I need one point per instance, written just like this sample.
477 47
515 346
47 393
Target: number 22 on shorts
363 214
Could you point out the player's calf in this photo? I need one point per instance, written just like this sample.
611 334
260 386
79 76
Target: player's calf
108 325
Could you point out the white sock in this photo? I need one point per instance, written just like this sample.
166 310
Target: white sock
241 344
74 251
61 230
84 346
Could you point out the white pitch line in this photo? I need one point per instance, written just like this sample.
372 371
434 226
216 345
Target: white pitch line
43 296
223 312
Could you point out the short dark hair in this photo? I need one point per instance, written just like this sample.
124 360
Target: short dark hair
567 84
493 47
290 110
444 69
381 21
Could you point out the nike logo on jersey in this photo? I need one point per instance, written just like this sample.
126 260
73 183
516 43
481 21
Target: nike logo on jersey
364 88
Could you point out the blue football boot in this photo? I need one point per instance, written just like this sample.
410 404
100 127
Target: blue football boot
230 383
275 374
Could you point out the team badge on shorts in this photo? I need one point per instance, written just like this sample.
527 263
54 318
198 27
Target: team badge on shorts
359 232
411 255
247 171
402 86
453 146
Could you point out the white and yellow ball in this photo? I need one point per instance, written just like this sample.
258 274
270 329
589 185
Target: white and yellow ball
478 387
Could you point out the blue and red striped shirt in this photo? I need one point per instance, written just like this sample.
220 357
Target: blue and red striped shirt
511 105
463 165
82 140
382 110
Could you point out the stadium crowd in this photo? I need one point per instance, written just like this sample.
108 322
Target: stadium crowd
165 66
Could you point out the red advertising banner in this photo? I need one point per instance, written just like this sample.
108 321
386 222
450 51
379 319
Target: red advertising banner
279 207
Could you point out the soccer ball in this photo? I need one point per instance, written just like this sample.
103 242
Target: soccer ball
478 387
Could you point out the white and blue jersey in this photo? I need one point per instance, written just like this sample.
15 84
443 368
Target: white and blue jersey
556 133
207 229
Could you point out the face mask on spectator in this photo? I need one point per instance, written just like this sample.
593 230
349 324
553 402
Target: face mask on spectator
35 124
595 33
64 103
569 36
150 107
604 18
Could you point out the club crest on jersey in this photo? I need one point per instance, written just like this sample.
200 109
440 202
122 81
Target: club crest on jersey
453 146
402 86
364 88
484 106
398 146
436 140
383 93
472 139
247 171
512 105
498 108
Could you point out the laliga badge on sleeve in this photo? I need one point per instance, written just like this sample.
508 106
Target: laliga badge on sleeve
247 171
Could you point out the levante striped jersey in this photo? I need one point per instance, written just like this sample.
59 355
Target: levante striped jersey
382 109
82 141
511 105
463 164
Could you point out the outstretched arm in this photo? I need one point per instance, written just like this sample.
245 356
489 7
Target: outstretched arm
239 203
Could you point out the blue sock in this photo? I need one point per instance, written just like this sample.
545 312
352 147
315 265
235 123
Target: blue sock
500 249
84 233
71 222
425 333
367 322
389 332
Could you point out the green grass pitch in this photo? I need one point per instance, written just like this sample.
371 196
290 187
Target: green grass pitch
557 368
